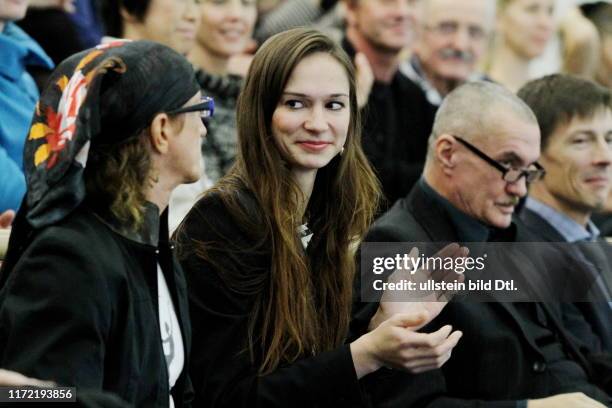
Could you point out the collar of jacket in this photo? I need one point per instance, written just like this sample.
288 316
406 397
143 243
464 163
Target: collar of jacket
222 86
17 51
154 225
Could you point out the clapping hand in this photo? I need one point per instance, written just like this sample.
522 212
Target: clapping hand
428 304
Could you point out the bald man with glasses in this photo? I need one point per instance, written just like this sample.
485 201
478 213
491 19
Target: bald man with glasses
482 153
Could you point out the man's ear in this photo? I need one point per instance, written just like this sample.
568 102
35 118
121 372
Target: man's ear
445 151
126 16
160 130
350 7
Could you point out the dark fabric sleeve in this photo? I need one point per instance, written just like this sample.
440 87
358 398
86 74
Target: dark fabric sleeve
55 313
221 368
396 389
575 323
99 399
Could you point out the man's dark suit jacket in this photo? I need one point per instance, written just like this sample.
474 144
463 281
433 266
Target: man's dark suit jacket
597 315
496 363
397 122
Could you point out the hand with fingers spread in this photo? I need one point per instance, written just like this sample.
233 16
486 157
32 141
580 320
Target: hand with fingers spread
431 303
395 344
571 400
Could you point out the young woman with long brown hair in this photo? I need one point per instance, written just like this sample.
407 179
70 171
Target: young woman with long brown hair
270 300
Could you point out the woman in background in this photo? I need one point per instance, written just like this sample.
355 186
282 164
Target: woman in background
524 28
222 39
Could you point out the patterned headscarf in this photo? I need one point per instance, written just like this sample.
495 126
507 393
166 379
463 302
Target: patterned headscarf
99 97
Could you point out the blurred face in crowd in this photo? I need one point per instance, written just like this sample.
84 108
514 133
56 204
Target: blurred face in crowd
227 26
480 190
454 36
12 10
173 23
577 161
527 26
387 25
311 121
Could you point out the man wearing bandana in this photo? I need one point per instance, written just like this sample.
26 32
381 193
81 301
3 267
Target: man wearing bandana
91 295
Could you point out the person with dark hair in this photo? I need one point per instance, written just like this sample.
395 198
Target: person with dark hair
269 252
170 22
91 295
18 95
575 118
397 115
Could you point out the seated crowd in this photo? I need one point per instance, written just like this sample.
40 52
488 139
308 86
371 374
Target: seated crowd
187 203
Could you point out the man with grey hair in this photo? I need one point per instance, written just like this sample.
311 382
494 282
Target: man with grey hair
453 39
483 151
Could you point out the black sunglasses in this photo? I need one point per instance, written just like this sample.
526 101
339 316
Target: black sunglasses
206 107
509 174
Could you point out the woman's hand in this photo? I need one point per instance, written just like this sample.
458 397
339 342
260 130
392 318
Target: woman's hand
395 344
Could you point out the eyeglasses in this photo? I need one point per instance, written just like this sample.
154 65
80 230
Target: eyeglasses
509 174
206 107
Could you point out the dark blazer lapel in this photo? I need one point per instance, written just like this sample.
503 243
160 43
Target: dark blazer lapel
433 219
438 225
566 338
540 226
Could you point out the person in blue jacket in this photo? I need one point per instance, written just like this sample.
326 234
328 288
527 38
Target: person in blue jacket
18 96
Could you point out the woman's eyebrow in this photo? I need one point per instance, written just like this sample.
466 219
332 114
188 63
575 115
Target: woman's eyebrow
302 95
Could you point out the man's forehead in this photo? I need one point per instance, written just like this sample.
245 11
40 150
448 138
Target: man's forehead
514 138
480 12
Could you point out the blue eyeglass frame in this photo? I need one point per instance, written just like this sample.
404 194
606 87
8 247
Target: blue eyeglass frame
206 107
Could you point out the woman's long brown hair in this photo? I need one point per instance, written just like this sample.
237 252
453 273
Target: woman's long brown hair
303 304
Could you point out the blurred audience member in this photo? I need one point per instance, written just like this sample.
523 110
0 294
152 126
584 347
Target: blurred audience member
277 16
575 118
600 14
173 23
454 37
87 20
49 23
524 28
18 95
225 33
398 117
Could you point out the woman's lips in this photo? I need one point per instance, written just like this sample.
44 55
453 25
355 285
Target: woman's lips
314 146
